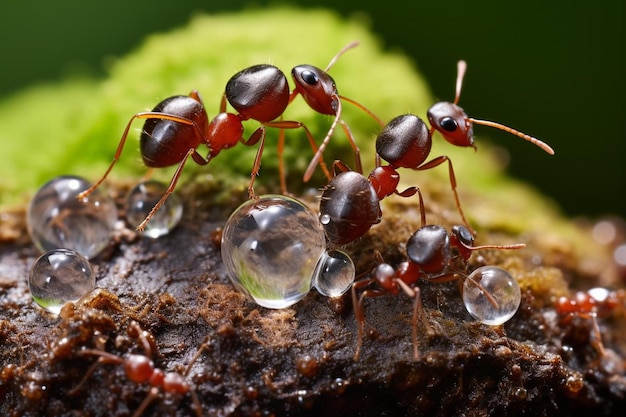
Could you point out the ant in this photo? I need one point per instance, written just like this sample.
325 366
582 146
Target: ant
589 305
140 369
178 125
433 255
250 98
406 141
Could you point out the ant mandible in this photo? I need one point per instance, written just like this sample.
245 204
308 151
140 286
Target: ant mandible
433 255
141 369
589 305
178 125
406 141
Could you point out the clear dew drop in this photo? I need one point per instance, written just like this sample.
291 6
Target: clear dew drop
325 219
334 274
142 198
491 295
59 276
57 219
271 247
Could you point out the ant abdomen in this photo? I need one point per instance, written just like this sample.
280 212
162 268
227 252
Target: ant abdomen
259 92
349 207
404 142
164 142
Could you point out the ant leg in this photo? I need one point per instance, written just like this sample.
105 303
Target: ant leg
258 136
281 162
198 159
104 357
355 148
418 311
411 191
290 124
436 162
357 304
152 394
317 158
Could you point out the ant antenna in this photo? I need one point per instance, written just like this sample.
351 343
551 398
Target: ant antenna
517 133
341 52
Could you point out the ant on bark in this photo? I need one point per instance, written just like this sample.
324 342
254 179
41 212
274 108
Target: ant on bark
589 305
406 141
178 125
141 369
433 255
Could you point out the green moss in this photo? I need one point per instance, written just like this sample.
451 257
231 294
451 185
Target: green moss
74 127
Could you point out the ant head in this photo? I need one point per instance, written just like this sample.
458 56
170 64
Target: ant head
462 239
404 142
452 122
384 275
429 248
317 88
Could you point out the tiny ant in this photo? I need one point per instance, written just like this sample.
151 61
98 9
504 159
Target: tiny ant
406 141
433 255
178 125
591 304
140 369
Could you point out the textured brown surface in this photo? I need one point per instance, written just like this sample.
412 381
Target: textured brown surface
299 361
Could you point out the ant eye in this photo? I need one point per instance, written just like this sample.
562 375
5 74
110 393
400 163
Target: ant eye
449 124
309 77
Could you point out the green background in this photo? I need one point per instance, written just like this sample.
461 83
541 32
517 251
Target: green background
554 70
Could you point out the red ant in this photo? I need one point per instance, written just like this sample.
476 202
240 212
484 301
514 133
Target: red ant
406 141
596 302
434 255
178 125
140 369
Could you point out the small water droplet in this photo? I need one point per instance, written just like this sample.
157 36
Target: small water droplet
143 197
491 295
334 274
59 276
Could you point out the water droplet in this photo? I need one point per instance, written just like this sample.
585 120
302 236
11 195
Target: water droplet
324 219
59 276
57 219
271 247
491 295
334 274
143 198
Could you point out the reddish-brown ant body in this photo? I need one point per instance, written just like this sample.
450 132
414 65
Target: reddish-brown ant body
433 255
140 368
350 202
178 125
590 305
406 141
